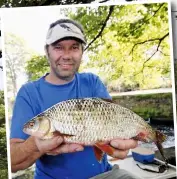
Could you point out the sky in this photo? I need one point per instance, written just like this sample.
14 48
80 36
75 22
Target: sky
29 25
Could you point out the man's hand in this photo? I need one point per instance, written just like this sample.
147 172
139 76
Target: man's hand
122 147
56 146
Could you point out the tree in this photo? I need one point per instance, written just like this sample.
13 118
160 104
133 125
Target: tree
37 66
129 42
126 43
15 56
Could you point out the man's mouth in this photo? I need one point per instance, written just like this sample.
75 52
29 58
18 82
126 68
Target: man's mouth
66 66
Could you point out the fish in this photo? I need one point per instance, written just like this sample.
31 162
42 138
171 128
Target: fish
93 122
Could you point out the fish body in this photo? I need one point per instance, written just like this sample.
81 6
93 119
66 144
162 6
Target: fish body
89 121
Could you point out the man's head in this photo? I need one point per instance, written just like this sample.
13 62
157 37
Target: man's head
64 48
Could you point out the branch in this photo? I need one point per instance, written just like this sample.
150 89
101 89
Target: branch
48 2
1 67
146 20
103 1
149 40
157 49
167 55
102 28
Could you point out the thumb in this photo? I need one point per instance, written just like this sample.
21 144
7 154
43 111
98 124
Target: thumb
48 144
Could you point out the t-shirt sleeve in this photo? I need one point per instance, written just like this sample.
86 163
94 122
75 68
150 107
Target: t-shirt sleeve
100 89
22 112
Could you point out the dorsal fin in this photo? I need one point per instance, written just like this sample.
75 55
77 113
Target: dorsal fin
107 100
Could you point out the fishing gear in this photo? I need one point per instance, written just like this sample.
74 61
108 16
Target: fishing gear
159 168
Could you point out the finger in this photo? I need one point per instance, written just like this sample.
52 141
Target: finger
120 154
55 141
52 153
124 144
68 148
48 144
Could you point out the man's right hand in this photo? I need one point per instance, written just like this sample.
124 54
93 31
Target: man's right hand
25 152
56 146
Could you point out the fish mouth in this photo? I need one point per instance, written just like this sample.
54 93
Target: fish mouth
38 134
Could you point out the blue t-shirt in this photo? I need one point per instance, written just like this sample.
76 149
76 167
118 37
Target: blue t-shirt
37 96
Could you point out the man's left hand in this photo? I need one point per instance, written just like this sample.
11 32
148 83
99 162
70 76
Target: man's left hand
122 147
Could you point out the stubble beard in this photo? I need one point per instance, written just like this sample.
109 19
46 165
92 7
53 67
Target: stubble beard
65 75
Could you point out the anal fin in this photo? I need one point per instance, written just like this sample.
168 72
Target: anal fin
98 154
105 148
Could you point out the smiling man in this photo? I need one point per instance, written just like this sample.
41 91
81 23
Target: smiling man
55 159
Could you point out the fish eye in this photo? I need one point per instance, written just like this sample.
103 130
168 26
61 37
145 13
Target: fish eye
31 124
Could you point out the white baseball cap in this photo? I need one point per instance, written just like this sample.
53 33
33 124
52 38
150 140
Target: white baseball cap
64 30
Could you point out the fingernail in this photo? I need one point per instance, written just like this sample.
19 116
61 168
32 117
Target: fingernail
114 143
79 149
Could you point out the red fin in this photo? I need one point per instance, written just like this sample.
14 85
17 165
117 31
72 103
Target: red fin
98 153
106 148
141 136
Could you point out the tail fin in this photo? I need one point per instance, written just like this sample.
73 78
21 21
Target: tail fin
160 138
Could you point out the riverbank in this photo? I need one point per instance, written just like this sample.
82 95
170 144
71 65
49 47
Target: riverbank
148 105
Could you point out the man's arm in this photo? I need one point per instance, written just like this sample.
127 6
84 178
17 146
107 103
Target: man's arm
24 153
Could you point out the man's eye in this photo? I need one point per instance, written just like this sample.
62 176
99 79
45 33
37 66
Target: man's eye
58 47
75 47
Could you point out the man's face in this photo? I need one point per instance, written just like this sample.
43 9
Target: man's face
65 58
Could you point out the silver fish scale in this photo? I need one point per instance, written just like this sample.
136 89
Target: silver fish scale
93 119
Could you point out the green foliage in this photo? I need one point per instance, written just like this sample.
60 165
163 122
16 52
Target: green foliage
3 154
149 105
1 97
37 66
2 114
2 109
3 146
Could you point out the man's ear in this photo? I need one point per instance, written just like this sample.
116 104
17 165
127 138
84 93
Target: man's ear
46 51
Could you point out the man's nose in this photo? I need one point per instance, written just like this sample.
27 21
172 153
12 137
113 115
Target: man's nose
66 55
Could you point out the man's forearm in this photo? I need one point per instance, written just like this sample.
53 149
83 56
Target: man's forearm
26 163
23 153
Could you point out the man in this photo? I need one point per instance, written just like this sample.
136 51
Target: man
54 159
